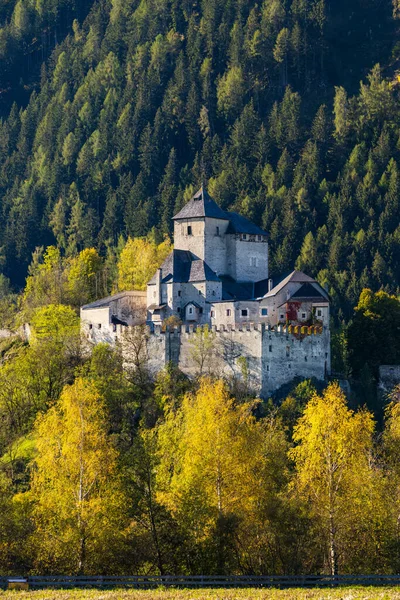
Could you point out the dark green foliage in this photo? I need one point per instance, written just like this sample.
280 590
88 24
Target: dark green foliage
142 101
373 335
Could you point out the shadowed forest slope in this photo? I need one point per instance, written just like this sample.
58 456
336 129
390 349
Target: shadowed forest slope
140 101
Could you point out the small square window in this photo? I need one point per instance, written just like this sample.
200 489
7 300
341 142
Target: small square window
281 317
303 315
228 312
264 312
189 230
245 312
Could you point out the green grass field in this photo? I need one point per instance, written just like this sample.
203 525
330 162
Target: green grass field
357 593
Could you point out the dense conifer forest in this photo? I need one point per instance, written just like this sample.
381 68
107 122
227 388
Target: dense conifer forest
112 112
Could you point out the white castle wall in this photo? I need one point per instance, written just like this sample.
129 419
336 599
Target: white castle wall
274 356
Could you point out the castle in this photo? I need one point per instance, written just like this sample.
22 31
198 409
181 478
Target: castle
217 275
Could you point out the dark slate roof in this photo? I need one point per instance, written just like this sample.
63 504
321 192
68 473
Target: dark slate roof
260 288
232 290
201 205
309 291
200 271
181 266
239 224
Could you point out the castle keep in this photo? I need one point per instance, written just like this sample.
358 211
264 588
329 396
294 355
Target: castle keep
217 275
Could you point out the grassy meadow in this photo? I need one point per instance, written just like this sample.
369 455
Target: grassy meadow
356 593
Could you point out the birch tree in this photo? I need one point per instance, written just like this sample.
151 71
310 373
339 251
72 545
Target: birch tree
78 502
332 461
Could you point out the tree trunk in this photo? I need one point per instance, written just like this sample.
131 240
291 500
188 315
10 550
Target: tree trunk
332 546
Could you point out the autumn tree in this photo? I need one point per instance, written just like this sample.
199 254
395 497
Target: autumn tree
138 262
214 474
78 502
333 471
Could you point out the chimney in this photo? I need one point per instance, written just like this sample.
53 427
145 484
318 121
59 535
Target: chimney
270 284
158 287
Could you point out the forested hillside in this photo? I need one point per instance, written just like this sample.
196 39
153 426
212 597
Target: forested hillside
143 100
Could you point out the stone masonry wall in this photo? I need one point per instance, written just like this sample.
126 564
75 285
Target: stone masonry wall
274 356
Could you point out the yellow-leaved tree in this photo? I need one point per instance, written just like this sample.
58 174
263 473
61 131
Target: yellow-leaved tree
139 260
78 502
335 476
85 280
215 476
391 444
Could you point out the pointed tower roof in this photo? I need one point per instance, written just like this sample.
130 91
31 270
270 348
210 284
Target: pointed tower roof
201 205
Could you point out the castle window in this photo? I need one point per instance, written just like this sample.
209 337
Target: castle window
264 312
189 230
305 358
245 312
303 315
213 292
270 347
200 311
190 310
114 327
244 236
99 326
287 350
228 312
212 314
199 292
178 309
281 317
259 237
253 261
217 231
179 293
267 367
319 313
90 326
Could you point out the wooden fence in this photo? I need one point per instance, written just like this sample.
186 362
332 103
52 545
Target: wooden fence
199 581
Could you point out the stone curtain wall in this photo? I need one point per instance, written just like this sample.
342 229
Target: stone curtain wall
274 356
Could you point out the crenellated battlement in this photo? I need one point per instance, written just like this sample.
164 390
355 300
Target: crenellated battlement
296 330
